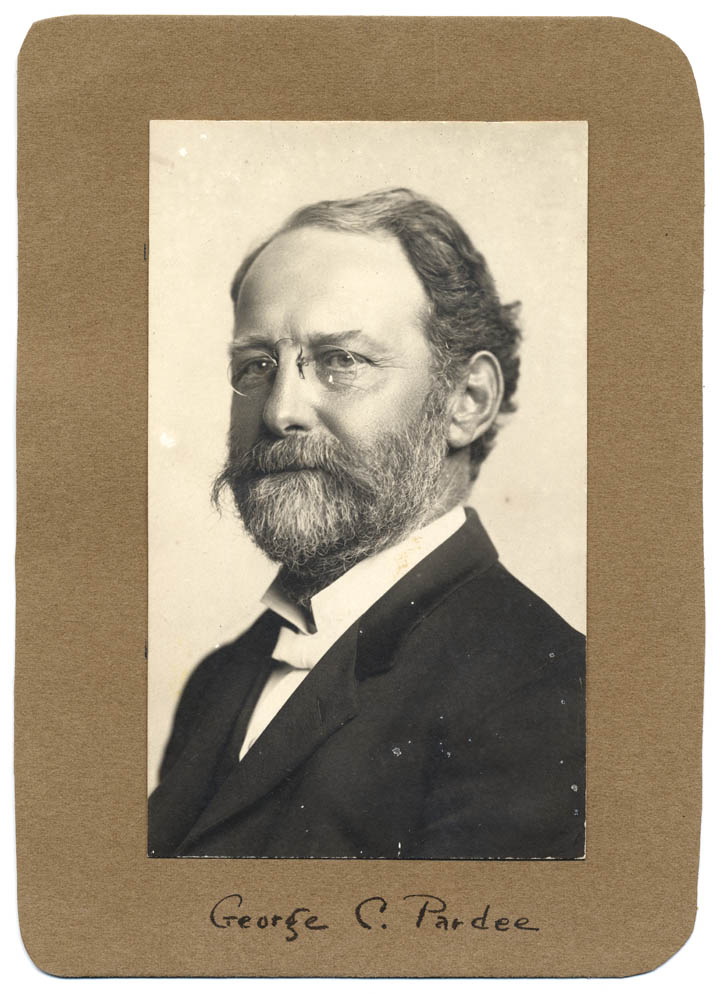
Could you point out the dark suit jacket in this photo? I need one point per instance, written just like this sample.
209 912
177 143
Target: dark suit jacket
447 723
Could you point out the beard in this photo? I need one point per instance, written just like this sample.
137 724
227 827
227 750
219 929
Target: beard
318 507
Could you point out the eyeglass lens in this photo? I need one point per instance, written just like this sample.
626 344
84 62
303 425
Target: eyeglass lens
335 369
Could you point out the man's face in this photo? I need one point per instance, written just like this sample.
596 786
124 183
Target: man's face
322 463
310 286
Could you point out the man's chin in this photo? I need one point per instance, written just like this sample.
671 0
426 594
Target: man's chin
289 499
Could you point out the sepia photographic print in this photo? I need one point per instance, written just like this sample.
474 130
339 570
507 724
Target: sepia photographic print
367 489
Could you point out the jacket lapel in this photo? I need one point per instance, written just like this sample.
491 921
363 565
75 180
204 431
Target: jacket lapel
327 698
324 701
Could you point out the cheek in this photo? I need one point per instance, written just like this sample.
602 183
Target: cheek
370 416
245 420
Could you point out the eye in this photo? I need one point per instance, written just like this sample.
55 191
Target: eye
257 367
251 373
339 360
337 368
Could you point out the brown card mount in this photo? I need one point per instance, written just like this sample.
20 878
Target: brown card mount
88 89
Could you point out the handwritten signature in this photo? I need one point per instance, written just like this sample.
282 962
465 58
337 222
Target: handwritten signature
424 911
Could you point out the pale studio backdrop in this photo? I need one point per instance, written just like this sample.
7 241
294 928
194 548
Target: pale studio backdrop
217 188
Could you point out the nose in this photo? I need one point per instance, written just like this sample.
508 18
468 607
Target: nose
290 405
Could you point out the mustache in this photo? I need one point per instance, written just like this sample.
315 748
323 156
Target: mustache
335 469
299 452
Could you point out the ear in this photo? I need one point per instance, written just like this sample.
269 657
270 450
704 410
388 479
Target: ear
476 400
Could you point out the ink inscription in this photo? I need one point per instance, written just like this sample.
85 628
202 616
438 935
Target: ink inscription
412 913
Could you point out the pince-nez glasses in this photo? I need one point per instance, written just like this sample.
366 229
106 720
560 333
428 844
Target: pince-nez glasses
334 368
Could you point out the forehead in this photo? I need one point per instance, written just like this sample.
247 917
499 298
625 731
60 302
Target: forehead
312 279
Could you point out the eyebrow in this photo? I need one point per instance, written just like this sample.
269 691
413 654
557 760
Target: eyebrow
258 341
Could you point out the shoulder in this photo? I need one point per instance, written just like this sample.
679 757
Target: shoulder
208 681
491 631
257 639
209 678
496 601
504 606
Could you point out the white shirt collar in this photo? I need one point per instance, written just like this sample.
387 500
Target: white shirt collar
340 604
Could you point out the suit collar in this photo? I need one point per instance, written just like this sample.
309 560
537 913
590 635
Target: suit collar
467 552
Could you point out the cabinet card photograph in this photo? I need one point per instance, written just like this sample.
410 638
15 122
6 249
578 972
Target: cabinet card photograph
367 490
